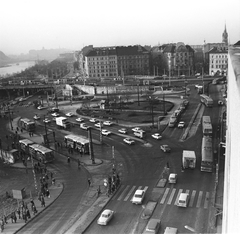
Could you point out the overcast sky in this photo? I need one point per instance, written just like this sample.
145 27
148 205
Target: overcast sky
72 24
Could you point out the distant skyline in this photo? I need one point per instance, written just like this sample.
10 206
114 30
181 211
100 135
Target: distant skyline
73 24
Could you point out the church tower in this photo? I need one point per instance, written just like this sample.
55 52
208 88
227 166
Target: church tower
225 36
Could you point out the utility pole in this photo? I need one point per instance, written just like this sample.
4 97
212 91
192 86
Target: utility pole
90 146
46 136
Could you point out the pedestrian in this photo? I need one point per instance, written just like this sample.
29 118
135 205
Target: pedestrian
30 134
12 216
79 163
32 204
34 210
68 159
19 213
89 182
47 193
53 181
28 213
42 201
5 219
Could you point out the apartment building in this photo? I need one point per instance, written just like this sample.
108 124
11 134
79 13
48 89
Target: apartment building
112 62
218 61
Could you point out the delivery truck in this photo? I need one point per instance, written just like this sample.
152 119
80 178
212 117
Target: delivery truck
62 122
188 159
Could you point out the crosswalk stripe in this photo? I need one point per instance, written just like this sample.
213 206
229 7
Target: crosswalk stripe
123 193
145 188
129 193
179 192
206 201
192 198
171 196
164 195
199 199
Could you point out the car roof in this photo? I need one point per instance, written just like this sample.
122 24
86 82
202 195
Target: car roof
107 211
139 191
183 196
152 224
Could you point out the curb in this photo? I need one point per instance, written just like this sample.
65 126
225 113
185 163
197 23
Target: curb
62 189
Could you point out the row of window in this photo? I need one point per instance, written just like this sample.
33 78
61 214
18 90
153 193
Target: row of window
219 61
220 66
219 56
102 75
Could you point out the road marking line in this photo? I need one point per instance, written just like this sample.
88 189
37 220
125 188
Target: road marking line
145 188
123 193
171 196
192 198
206 201
129 193
179 192
164 195
199 199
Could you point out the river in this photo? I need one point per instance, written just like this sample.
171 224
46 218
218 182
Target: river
16 67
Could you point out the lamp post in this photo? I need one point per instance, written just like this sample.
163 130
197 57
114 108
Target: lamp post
151 106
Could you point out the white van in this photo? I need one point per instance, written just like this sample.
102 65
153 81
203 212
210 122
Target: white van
172 179
170 230
183 200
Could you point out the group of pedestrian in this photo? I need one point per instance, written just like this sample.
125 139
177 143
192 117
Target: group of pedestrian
31 134
22 212
113 183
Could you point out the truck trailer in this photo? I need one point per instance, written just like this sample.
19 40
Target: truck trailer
188 159
62 122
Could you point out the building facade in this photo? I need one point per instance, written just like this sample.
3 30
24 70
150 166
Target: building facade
114 62
180 59
218 61
231 202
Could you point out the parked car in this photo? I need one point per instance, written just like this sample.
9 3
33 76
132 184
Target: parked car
129 141
181 124
157 136
107 123
105 217
123 130
138 196
79 119
105 132
165 148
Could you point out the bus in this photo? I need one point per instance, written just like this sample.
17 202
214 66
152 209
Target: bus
206 100
24 145
207 126
207 154
27 124
78 143
41 153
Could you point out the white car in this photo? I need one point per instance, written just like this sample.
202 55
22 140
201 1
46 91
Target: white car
137 129
79 119
129 141
41 107
123 130
172 179
55 114
93 120
98 125
105 217
84 126
36 117
138 196
107 123
181 124
47 120
157 136
69 114
105 132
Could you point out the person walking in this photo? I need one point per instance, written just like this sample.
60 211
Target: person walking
89 182
68 159
79 163
47 193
